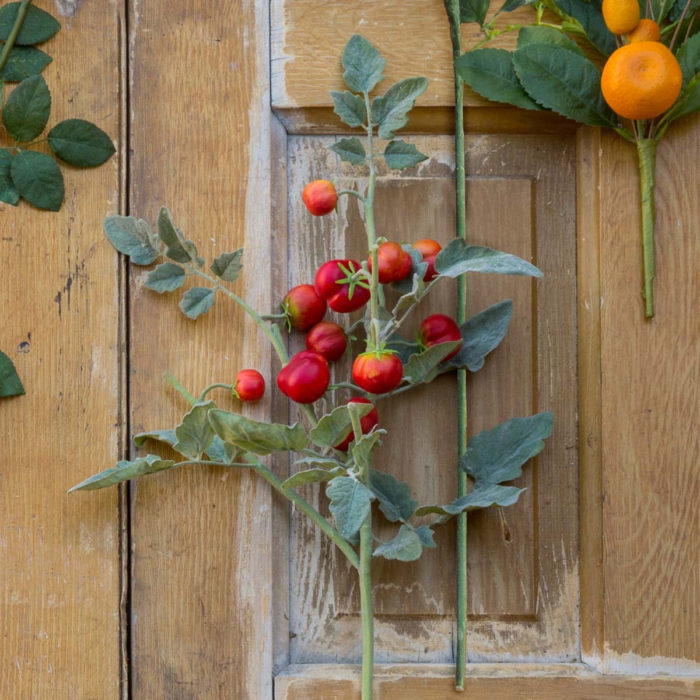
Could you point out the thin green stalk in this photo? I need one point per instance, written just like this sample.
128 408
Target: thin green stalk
216 385
175 384
646 151
14 32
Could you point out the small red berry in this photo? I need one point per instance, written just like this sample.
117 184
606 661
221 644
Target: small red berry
249 386
327 339
320 197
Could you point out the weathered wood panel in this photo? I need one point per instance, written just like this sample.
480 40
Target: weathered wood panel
59 554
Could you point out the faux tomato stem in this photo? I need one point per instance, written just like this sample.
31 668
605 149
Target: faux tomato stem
175 384
216 385
646 151
14 32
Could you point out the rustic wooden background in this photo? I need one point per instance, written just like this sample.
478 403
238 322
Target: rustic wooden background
200 584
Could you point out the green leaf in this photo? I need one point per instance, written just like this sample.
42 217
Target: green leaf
24 62
132 237
547 35
473 11
510 5
426 536
482 333
688 102
38 26
80 143
363 64
27 109
423 367
194 434
394 496
10 384
125 470
661 8
390 111
178 248
228 265
335 426
350 108
481 496
312 476
255 436
362 449
591 20
349 503
221 451
458 257
403 348
409 284
197 301
676 10
38 179
412 293
8 191
406 546
350 150
320 462
564 82
689 58
167 277
399 155
490 72
166 436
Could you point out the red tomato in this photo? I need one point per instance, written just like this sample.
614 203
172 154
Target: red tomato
377 372
305 377
249 386
341 296
366 423
327 339
429 249
304 307
439 328
394 262
320 197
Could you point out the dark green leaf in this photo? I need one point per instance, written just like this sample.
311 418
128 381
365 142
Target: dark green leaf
349 503
312 476
424 366
197 301
27 109
661 8
363 64
473 11
547 35
255 436
490 72
689 58
178 248
228 265
481 496
510 5
80 143
591 20
195 433
390 111
335 426
167 277
406 546
166 436
8 191
124 471
38 26
132 237
10 384
24 62
350 150
399 155
458 257
689 100
350 108
394 496
38 179
677 8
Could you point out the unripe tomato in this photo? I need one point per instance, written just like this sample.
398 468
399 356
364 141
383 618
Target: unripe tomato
305 377
437 329
366 424
304 307
429 249
377 372
327 339
340 295
320 197
394 262
249 385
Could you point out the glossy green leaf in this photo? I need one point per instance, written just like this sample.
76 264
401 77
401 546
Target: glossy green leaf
390 111
483 495
123 471
350 108
132 237
591 20
473 11
38 179
350 502
312 476
335 426
197 301
38 26
8 191
362 63
178 248
228 265
689 58
399 155
194 434
458 257
167 277
688 102
10 384
394 496
547 35
27 109
406 546
80 143
510 5
661 8
424 366
24 62
350 150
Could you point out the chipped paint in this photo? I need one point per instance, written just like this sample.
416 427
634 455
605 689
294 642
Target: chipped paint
67 8
629 663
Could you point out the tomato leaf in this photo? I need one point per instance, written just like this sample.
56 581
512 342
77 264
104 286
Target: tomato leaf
547 35
178 248
132 237
390 111
123 471
312 476
473 11
350 108
218 450
10 384
394 496
362 449
350 150
335 426
481 496
350 502
228 265
458 257
423 367
406 546
38 179
8 191
399 155
363 64
194 434
27 109
197 301
38 26
167 277
165 436
80 143
591 20
24 62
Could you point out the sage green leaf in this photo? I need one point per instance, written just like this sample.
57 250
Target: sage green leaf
394 496
425 535
483 495
132 237
409 284
320 462
38 26
27 109
498 454
255 436
24 62
350 502
166 436
178 248
80 143
564 82
689 58
228 265
591 20
406 546
220 451
361 449
167 277
125 470
390 111
350 150
424 366
399 155
547 35
481 334
335 426
194 434
404 349
490 72
688 102
10 384
457 257
350 108
473 11
8 191
197 301
38 179
412 295
363 64
312 476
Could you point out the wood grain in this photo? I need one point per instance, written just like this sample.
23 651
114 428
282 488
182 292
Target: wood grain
59 554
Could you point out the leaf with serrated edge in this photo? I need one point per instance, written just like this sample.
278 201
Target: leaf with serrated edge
123 471
350 502
8 192
591 20
312 476
10 384
390 111
394 496
547 35
350 108
423 367
458 257
38 25
197 301
38 179
406 546
473 11
363 64
350 150
195 433
335 426
27 109
80 143
130 237
228 265
167 277
399 155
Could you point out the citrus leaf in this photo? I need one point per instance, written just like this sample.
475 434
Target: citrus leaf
399 155
38 179
27 109
510 5
688 102
194 434
8 191
80 143
363 64
390 111
312 476
335 426
228 265
406 546
458 257
350 502
473 11
547 35
24 62
423 366
591 20
661 8
394 496
350 150
350 108
38 26
689 58
10 384
197 301
123 471
167 277
132 237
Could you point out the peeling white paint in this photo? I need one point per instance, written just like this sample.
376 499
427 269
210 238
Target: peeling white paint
631 664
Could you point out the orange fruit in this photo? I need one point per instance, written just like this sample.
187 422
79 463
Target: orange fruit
621 16
646 30
641 80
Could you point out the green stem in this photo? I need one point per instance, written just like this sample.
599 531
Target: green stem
646 151
14 32
352 193
216 385
175 384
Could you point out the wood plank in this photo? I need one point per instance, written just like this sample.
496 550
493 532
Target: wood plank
60 571
200 132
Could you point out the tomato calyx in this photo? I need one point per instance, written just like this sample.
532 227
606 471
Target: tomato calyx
353 278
